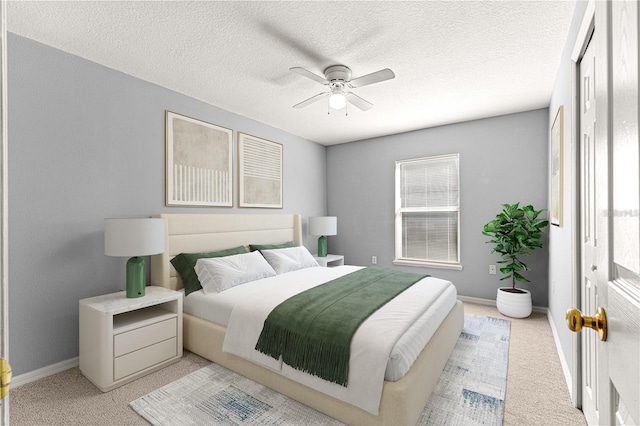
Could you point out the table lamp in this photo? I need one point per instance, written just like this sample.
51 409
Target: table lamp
323 226
134 237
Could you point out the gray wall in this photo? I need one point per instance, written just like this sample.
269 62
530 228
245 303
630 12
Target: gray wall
502 160
561 239
85 143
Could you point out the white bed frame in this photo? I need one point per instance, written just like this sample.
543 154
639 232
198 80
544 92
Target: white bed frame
402 401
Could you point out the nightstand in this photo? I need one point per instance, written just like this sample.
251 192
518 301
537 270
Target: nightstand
330 260
123 339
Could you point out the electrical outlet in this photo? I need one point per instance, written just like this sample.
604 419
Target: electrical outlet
374 260
492 269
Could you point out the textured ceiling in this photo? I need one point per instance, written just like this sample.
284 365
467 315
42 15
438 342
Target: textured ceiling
454 60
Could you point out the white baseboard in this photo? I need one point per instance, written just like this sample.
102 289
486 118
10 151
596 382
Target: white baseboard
563 360
491 302
43 372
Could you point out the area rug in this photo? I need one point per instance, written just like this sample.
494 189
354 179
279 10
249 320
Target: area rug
470 390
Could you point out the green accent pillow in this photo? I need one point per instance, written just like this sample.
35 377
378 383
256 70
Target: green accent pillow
186 262
261 247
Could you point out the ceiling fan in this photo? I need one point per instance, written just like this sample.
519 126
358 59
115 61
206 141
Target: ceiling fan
338 79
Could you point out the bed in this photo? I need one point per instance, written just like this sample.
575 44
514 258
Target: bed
401 402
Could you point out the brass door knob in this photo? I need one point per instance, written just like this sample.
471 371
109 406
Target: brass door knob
5 377
576 321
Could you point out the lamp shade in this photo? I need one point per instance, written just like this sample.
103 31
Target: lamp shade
323 225
133 237
337 100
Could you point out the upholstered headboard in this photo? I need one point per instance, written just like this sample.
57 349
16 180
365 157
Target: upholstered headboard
193 233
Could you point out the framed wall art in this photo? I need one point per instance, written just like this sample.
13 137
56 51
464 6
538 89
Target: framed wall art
198 163
557 135
259 172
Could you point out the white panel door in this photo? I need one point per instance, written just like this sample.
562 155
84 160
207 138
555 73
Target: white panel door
610 216
611 368
623 293
589 244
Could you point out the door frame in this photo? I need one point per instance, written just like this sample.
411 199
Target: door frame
4 201
585 35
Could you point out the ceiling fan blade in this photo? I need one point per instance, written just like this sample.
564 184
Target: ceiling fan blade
309 74
359 102
312 100
374 77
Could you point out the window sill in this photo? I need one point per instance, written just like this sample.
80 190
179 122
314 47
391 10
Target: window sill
418 263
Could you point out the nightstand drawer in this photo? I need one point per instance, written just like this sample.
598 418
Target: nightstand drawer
144 358
142 337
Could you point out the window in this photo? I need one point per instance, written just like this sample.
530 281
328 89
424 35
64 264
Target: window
428 212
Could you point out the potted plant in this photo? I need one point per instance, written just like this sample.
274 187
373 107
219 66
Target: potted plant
515 232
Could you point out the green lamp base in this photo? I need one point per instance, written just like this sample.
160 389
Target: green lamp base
136 279
322 246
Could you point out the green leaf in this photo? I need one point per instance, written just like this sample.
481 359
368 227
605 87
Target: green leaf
515 232
520 278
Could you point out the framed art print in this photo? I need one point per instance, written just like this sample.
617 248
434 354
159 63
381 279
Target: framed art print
198 163
557 131
259 172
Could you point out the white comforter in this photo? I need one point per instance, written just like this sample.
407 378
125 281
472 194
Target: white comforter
371 343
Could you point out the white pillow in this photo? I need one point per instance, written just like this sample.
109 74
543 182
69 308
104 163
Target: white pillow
289 259
221 273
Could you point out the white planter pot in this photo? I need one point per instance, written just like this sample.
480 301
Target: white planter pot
515 305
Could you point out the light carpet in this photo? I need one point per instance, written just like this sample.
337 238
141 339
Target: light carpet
470 390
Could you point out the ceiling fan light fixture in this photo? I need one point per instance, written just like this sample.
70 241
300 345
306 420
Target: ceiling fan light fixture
338 79
337 100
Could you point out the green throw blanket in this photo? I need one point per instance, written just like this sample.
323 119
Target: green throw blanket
313 329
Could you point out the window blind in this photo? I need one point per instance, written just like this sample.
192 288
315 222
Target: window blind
428 209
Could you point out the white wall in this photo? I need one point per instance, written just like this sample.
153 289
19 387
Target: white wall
561 239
